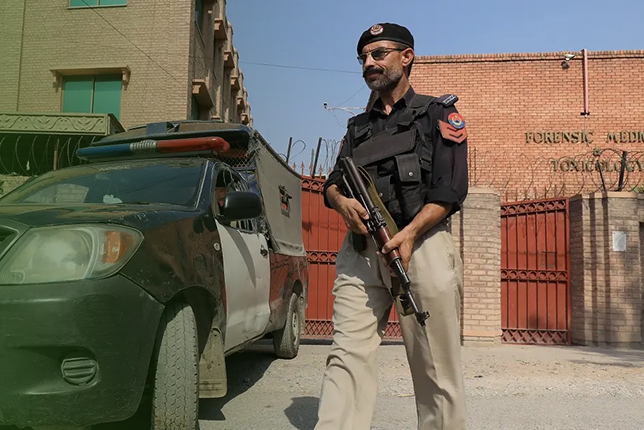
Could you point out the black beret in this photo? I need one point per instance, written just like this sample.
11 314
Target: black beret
386 31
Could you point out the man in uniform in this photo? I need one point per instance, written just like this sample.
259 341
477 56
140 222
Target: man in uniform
415 149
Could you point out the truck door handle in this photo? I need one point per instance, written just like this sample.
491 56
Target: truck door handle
263 251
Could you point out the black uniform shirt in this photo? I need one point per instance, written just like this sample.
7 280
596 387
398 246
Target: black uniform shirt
449 177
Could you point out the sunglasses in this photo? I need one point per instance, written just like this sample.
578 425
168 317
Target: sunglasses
377 54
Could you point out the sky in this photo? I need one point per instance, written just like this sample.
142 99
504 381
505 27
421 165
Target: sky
298 54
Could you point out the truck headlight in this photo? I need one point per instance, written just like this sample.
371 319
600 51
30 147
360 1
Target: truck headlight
68 253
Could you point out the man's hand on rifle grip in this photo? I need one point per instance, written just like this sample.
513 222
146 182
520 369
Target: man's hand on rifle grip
350 209
353 213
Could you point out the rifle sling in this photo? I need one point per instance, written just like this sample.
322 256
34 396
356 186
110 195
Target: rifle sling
393 230
375 198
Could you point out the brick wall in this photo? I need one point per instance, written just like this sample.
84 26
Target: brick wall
503 97
156 39
641 238
79 38
477 233
605 281
10 52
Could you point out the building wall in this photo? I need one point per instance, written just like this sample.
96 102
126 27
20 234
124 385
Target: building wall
606 269
518 106
155 41
11 19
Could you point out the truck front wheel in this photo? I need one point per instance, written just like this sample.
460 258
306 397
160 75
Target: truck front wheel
175 396
286 341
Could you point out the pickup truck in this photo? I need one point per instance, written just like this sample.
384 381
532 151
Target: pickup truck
127 279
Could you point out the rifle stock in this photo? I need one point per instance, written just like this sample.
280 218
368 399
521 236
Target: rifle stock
380 233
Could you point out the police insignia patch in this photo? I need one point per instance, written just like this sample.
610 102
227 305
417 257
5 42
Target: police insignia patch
456 120
449 132
376 29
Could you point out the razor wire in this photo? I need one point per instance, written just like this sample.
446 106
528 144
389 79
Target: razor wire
26 156
519 176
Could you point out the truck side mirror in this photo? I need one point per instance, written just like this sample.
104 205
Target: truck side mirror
239 205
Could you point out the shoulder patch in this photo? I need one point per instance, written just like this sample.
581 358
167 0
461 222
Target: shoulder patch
449 132
456 120
447 100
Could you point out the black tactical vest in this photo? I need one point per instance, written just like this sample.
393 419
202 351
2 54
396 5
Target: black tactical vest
397 158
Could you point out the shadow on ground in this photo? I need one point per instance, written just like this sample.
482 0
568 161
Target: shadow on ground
244 370
604 356
302 414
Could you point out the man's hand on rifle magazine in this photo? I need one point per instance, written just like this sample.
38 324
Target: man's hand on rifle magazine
404 241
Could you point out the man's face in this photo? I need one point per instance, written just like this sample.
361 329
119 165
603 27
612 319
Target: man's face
220 193
385 70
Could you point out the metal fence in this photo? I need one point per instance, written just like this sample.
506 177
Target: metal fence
24 156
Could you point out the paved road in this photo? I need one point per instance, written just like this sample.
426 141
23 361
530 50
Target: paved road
509 388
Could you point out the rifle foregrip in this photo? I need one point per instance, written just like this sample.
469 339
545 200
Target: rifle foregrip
400 271
382 236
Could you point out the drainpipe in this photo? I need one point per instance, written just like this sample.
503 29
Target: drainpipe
585 72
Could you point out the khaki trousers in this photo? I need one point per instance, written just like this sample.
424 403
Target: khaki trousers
360 312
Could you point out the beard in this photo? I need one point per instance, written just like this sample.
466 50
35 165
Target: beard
379 80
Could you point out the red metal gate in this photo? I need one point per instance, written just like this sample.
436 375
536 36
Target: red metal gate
323 232
535 272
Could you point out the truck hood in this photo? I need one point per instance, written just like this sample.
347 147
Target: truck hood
34 215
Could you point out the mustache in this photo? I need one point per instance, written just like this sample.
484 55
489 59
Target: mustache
372 69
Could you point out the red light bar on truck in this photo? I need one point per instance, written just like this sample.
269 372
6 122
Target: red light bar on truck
192 145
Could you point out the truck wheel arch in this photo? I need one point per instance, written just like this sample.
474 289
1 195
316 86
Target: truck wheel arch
208 311
211 320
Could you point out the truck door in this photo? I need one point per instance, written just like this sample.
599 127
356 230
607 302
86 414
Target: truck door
246 269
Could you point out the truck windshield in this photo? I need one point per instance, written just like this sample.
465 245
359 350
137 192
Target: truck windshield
166 182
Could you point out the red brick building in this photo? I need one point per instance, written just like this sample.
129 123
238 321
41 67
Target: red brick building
529 137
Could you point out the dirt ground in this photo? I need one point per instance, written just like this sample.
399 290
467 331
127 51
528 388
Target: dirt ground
508 387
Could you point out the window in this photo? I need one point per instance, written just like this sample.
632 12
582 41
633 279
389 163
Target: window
195 110
85 3
229 181
163 182
92 94
199 14
64 193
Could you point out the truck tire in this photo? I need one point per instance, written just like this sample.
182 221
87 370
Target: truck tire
175 391
286 340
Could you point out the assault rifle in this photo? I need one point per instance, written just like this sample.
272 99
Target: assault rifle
379 230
